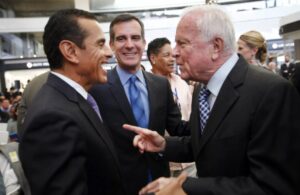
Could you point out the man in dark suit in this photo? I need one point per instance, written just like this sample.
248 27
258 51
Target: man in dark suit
296 77
245 120
287 69
65 148
159 110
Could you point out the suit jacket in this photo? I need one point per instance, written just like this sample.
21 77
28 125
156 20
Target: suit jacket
287 72
296 77
250 143
116 111
29 93
65 148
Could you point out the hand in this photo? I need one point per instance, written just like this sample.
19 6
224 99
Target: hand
147 140
166 186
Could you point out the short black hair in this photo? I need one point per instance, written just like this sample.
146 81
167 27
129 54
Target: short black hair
124 18
155 45
63 25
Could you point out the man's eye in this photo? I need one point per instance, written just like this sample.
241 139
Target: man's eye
120 38
181 44
136 38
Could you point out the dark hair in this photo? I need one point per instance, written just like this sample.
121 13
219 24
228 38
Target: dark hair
63 25
125 18
155 45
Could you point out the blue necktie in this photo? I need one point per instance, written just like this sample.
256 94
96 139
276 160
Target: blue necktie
94 105
136 103
138 108
204 108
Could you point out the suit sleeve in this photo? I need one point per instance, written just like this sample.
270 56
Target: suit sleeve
52 154
183 148
272 153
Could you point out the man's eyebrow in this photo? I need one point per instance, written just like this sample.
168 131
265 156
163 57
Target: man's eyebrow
102 40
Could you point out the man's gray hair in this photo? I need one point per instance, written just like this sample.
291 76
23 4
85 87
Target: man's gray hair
214 22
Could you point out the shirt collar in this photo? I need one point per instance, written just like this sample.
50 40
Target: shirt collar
124 75
73 84
215 83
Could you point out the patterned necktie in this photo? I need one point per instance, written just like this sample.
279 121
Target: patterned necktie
94 105
204 108
136 103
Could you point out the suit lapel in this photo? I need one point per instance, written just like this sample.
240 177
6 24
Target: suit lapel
86 109
226 99
119 95
194 120
92 116
152 97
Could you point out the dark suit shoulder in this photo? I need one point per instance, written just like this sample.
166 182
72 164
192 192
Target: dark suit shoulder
264 78
155 77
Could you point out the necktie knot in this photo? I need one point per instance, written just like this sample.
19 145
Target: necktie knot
93 104
204 93
91 100
133 78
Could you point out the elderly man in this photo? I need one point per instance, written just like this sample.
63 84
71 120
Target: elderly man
245 120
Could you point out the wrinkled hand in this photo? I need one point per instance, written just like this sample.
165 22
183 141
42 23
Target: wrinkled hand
165 186
146 140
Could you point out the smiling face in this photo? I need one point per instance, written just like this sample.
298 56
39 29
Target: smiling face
128 44
93 55
163 62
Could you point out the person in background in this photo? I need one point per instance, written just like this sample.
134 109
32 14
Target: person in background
287 69
65 148
245 120
5 105
272 66
160 55
134 96
253 47
29 93
15 182
12 127
295 79
4 117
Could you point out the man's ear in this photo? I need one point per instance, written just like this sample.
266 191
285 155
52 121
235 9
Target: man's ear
69 51
218 47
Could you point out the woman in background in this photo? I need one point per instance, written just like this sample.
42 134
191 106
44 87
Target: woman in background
253 47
